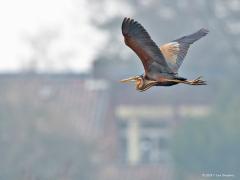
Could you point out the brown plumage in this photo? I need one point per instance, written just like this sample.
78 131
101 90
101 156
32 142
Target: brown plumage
161 64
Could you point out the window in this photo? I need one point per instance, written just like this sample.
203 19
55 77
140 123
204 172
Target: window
146 143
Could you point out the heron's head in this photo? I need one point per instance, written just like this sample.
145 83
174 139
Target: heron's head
139 81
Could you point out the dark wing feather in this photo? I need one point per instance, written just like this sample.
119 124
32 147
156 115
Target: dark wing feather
137 38
175 51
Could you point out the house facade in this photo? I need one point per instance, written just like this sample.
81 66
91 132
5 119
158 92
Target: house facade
131 130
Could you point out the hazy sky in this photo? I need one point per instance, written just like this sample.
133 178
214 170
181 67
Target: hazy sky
25 18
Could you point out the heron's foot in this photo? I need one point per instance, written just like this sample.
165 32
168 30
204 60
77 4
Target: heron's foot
197 81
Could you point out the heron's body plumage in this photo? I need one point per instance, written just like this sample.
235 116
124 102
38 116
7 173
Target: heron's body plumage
161 64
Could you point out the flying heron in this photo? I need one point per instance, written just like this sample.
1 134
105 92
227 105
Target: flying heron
161 64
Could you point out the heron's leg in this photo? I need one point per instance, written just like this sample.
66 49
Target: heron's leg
197 81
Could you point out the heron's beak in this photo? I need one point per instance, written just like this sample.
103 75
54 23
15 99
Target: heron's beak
133 79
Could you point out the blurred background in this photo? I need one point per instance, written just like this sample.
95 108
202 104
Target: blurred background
65 116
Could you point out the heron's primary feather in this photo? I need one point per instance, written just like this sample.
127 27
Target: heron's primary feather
137 38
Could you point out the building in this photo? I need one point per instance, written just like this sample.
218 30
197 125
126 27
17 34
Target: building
131 130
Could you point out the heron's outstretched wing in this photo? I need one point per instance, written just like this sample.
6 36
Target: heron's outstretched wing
137 38
175 51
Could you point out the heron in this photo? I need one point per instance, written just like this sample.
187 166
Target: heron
161 63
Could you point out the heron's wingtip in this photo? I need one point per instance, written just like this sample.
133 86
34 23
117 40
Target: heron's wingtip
204 30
